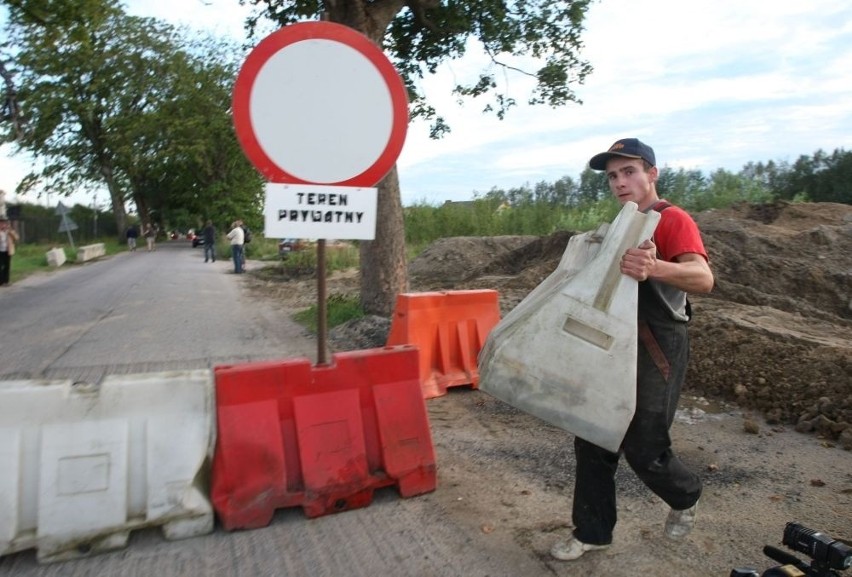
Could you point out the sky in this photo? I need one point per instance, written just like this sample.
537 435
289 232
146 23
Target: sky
708 84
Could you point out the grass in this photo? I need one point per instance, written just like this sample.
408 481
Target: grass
32 258
339 309
303 263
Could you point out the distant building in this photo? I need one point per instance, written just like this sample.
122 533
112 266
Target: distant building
460 203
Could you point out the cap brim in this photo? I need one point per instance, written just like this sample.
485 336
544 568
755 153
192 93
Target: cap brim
598 161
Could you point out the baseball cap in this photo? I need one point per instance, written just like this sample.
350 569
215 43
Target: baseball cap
626 147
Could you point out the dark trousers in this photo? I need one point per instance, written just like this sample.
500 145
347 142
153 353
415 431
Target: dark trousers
237 253
5 267
661 369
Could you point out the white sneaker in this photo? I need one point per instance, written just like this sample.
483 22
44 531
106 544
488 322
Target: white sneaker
572 549
680 523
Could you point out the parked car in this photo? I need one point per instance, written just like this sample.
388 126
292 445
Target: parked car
197 240
288 245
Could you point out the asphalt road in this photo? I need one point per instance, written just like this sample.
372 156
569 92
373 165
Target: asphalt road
137 312
168 310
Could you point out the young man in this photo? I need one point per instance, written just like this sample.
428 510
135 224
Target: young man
667 267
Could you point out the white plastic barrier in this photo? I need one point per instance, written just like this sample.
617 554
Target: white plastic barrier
567 352
83 465
56 257
91 252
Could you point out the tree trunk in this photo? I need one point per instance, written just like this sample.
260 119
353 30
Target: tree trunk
384 273
10 108
116 199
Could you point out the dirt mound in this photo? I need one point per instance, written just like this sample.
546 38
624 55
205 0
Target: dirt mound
450 261
775 335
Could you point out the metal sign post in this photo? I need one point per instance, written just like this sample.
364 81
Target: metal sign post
322 305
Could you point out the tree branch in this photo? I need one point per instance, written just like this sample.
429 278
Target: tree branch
419 8
506 66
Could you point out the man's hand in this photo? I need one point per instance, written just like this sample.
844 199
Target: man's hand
639 263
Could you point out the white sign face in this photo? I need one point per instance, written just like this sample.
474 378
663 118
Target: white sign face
333 99
316 211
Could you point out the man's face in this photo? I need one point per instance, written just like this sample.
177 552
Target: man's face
628 181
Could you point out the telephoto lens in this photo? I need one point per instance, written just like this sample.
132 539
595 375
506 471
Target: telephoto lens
820 547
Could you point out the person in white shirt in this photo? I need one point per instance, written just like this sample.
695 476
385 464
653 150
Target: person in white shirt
237 238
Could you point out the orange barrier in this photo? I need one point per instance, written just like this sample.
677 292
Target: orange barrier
449 328
323 438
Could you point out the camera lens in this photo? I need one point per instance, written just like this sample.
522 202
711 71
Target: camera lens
820 547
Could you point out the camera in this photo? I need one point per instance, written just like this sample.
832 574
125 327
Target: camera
828 556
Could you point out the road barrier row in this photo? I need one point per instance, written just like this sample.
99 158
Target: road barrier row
81 465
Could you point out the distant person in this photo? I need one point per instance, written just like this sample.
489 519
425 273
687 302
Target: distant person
150 237
667 267
246 239
132 234
209 236
8 240
237 237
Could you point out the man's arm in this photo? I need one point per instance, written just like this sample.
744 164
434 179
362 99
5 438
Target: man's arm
689 272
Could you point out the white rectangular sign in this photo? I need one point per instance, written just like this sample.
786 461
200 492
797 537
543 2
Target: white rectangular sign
319 211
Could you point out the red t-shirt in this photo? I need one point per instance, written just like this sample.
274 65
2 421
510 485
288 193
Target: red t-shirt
677 234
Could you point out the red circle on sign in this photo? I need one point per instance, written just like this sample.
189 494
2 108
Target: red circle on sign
280 40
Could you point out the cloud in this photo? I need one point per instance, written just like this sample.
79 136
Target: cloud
709 84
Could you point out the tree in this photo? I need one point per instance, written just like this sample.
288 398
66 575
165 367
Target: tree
111 99
183 157
592 188
725 188
69 97
821 177
418 35
834 183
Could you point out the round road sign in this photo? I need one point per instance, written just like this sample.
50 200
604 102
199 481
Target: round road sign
319 103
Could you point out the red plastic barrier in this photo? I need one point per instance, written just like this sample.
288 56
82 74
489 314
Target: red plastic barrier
449 328
323 438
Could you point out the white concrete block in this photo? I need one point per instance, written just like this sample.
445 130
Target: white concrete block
83 465
91 252
56 257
